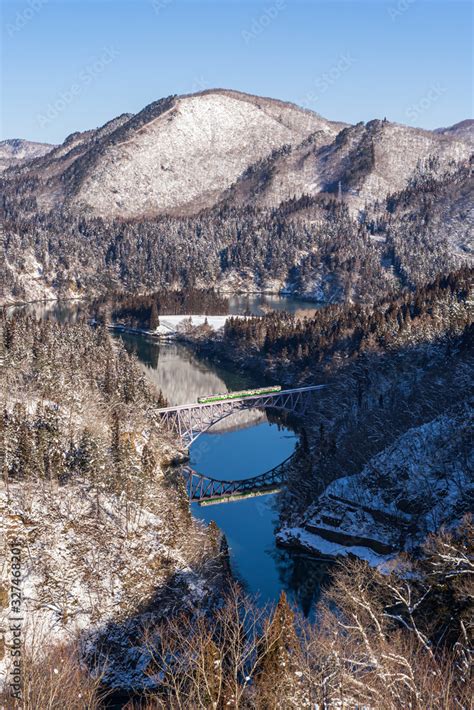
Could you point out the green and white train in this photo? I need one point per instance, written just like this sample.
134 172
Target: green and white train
238 395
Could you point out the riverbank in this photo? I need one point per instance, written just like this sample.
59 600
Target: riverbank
239 300
86 467
174 326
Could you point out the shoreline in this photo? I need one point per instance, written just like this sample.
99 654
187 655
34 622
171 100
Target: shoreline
282 294
21 304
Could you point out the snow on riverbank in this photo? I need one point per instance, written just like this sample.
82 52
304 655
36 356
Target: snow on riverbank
170 325
301 538
423 481
173 325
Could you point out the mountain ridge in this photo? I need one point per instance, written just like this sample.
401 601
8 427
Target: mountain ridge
182 154
17 151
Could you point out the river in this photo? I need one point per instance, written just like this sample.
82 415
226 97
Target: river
241 447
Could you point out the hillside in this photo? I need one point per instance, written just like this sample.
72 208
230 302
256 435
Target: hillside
183 154
91 500
368 161
16 152
412 488
178 154
386 455
463 129
239 193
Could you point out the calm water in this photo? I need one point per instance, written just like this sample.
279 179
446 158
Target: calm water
245 445
254 304
258 304
248 524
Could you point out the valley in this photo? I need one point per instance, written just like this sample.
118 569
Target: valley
209 243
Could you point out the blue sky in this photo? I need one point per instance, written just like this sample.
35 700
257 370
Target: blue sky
69 65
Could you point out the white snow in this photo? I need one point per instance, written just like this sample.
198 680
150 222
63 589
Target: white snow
193 152
315 543
83 567
418 484
169 325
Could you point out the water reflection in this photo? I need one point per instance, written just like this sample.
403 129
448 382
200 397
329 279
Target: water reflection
243 445
250 524
303 577
179 373
258 304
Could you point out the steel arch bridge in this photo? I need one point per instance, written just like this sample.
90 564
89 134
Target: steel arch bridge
191 420
206 490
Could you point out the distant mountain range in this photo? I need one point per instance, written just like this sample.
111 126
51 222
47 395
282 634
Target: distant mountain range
16 151
183 154
237 192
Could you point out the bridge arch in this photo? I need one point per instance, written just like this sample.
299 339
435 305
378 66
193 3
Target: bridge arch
205 489
219 419
189 421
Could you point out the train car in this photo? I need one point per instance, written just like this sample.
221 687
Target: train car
238 395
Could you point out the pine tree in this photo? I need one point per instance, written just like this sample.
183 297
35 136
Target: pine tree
55 452
88 455
5 439
41 441
154 317
275 681
148 463
23 461
115 437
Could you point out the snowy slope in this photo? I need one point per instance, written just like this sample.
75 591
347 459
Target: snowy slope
423 481
16 151
189 154
182 154
89 562
368 160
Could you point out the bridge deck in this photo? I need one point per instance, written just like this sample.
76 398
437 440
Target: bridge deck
195 405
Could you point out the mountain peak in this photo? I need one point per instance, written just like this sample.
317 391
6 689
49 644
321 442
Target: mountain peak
16 151
184 153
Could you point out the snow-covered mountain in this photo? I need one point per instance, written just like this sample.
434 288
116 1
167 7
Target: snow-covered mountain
16 151
366 162
182 154
463 129
179 153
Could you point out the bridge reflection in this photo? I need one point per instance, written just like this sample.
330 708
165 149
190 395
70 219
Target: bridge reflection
206 490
